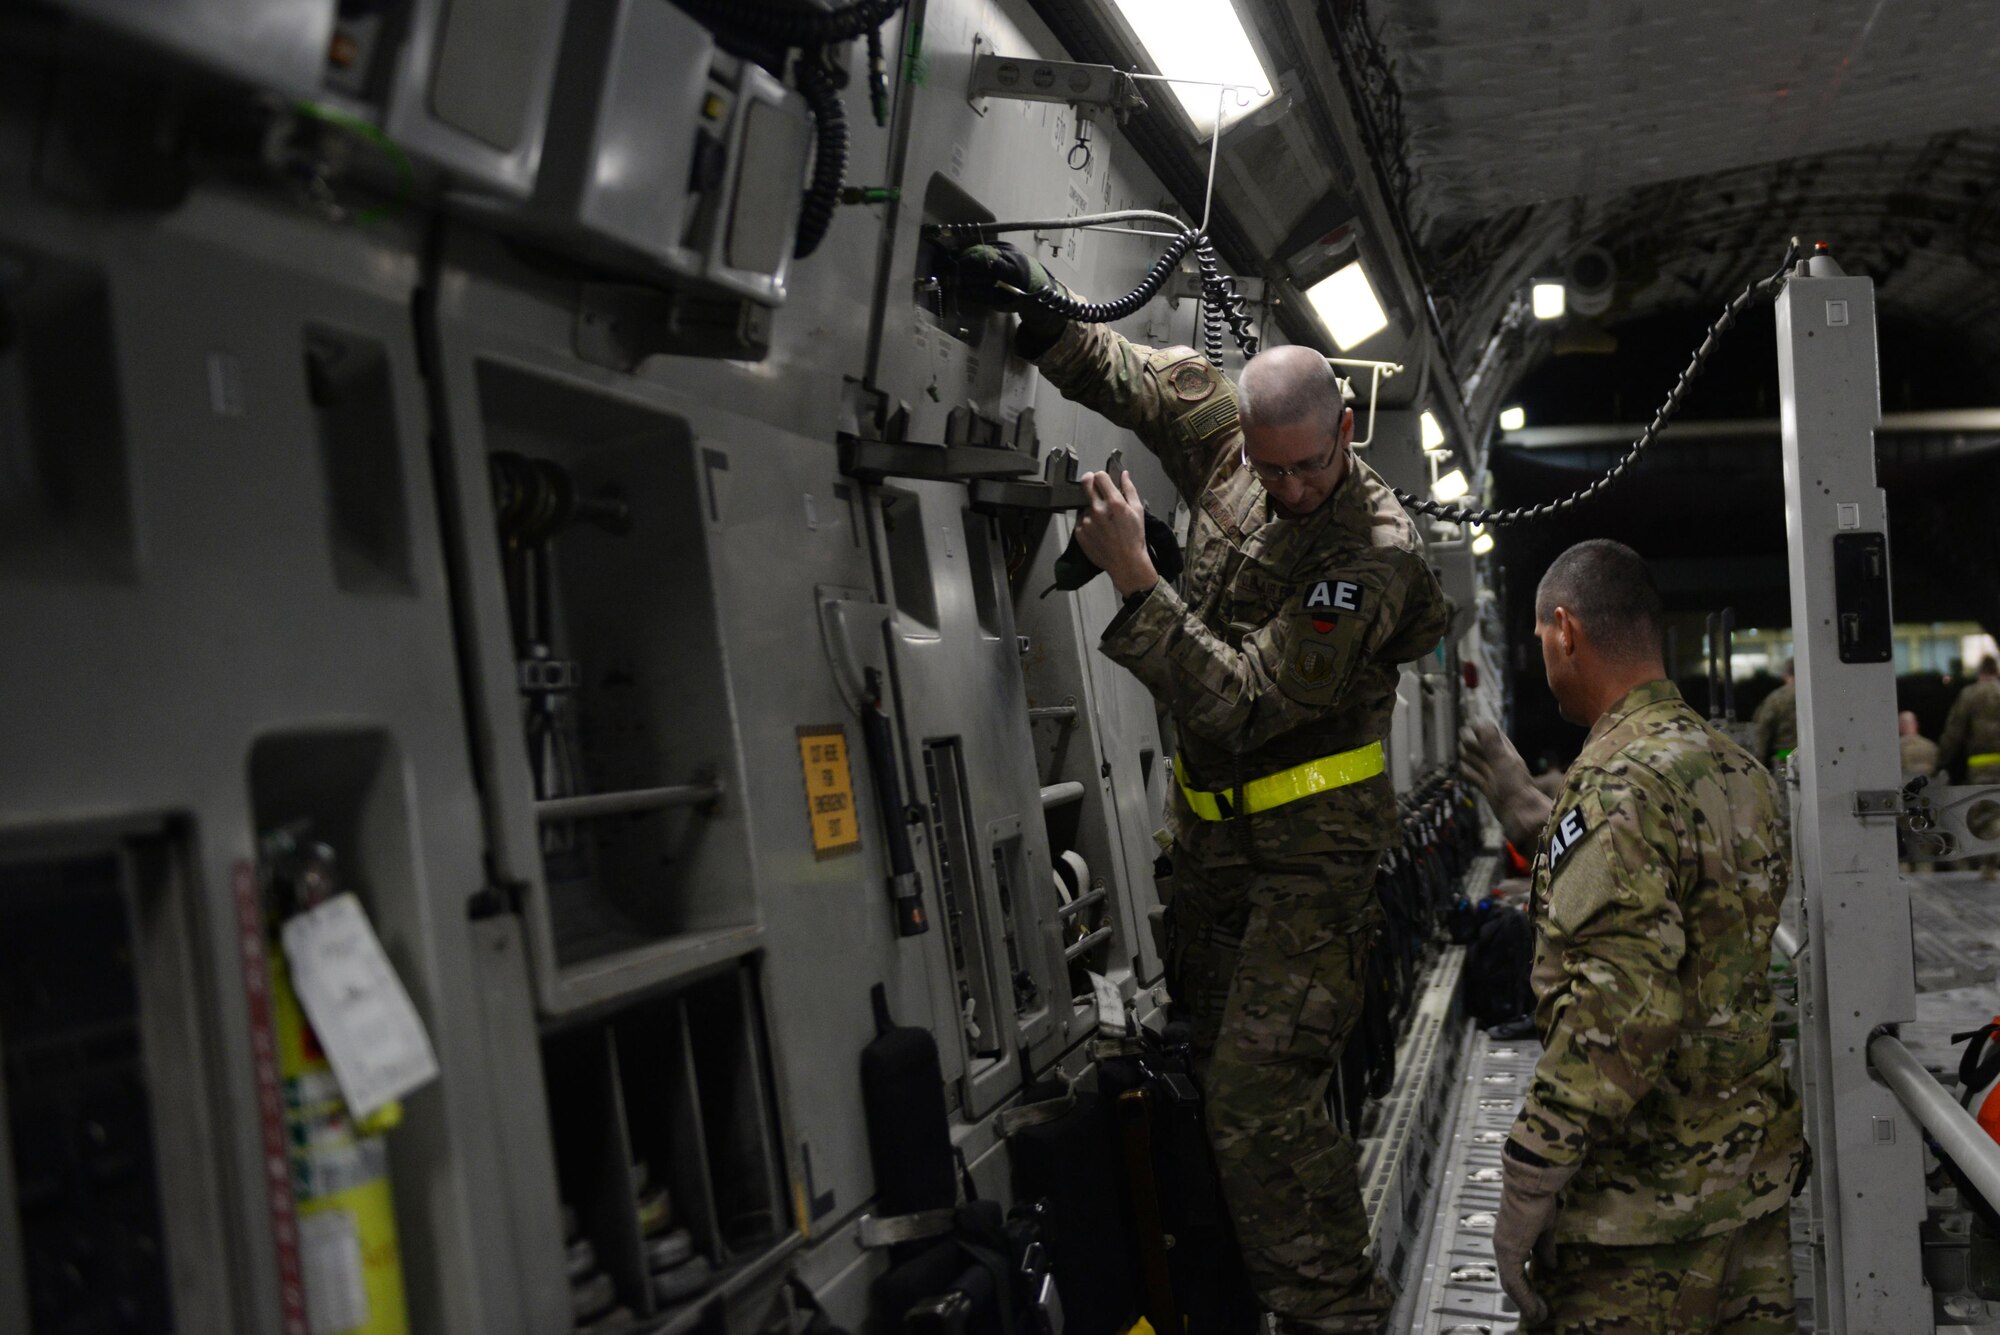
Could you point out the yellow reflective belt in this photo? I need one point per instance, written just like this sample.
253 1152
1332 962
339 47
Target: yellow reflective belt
1274 790
1983 758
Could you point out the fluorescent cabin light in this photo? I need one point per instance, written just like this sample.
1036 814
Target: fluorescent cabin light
1433 433
1205 40
1347 304
1482 544
1548 301
1513 419
1452 486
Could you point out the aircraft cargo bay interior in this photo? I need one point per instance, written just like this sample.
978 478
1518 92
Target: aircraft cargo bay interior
999 667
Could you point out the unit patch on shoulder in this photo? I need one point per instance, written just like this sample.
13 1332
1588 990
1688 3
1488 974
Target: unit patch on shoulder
1330 598
1192 381
1569 832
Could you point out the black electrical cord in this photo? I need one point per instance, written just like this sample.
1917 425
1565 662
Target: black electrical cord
1456 514
813 30
1222 305
829 150
789 26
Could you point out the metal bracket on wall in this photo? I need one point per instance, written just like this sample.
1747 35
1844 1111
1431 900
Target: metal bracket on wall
1057 489
620 325
1078 85
874 460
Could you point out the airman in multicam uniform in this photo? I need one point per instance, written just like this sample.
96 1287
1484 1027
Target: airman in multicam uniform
1660 1140
1306 586
1971 738
1777 721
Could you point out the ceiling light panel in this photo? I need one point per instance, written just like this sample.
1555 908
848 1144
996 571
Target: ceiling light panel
1549 301
1451 487
1433 434
1346 303
1513 419
1203 40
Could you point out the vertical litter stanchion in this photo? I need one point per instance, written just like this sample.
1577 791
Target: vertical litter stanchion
1858 973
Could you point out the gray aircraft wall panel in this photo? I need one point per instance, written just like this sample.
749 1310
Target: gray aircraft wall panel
243 636
795 530
644 601
780 533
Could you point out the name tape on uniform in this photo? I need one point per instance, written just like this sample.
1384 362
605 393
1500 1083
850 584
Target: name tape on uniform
1334 595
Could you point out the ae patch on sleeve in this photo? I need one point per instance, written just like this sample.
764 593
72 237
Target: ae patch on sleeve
1581 879
1326 635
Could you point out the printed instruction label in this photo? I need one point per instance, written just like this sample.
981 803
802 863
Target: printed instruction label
336 1292
829 790
370 1032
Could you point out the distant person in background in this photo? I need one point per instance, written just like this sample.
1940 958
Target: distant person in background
1777 721
1972 740
1920 753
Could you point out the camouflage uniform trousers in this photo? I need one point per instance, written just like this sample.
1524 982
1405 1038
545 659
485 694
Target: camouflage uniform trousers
1734 1283
1268 968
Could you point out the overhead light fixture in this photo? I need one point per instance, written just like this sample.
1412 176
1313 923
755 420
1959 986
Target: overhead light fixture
1347 304
1452 486
1482 543
1203 40
1513 419
1549 301
1433 433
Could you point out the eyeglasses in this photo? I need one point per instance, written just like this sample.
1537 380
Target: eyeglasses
1311 468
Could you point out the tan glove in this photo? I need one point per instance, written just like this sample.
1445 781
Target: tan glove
1496 769
1527 1225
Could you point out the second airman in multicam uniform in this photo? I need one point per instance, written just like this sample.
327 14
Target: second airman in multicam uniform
1660 1140
1277 655
1777 721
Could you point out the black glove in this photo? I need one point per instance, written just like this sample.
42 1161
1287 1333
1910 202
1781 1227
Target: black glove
999 276
1074 569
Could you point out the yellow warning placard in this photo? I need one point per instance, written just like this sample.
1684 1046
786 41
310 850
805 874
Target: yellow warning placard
836 826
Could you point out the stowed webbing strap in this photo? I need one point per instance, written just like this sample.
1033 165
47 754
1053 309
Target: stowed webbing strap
1288 785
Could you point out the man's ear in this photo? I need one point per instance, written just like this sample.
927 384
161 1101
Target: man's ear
1566 629
1346 432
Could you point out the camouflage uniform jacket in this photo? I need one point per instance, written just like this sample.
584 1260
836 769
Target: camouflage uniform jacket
1656 890
1972 729
1777 723
1282 642
1919 755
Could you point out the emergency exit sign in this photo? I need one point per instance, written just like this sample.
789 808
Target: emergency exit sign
836 827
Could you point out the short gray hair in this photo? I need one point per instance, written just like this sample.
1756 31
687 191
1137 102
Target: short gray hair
1286 384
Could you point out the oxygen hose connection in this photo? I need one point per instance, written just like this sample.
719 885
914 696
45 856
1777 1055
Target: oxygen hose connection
1221 304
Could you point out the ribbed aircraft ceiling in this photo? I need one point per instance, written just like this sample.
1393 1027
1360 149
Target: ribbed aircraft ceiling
1689 139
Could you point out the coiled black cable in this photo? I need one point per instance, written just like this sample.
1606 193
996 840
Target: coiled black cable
1222 306
1458 514
829 150
787 26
